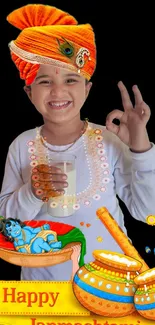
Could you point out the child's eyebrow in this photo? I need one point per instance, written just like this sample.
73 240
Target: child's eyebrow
42 76
65 75
71 75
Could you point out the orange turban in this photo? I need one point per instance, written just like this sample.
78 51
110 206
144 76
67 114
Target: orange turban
51 36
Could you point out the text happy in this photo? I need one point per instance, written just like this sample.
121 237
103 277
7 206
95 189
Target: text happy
11 295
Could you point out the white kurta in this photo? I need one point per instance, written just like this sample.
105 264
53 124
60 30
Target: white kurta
105 167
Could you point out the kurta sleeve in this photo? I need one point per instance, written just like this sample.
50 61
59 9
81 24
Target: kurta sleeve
17 198
134 175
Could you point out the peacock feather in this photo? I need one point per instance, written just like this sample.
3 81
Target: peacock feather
66 48
1 217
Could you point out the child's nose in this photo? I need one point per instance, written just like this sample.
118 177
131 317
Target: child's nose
57 90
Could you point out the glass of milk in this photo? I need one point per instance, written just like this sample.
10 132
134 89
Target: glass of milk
62 206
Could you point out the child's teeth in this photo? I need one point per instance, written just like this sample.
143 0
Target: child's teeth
58 104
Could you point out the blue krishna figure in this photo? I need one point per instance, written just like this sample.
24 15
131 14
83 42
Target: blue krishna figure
27 239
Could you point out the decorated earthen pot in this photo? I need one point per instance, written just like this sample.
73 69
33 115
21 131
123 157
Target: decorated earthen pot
144 298
106 286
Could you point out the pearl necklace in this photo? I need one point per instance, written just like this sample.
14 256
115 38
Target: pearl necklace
93 147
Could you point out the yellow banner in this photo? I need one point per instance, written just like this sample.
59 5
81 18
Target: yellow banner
66 320
51 303
39 298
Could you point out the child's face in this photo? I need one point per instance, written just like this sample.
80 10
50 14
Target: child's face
58 94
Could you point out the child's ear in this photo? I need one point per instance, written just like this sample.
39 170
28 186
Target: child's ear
88 87
27 89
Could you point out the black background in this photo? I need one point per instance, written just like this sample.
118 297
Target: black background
125 35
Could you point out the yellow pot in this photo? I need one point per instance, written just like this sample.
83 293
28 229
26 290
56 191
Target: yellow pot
106 286
145 295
